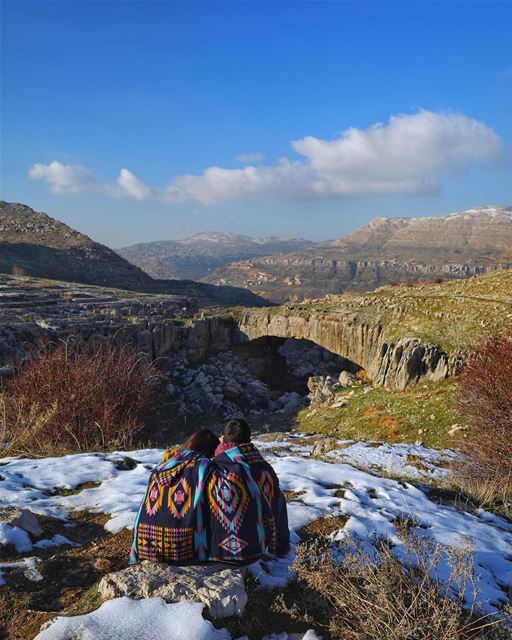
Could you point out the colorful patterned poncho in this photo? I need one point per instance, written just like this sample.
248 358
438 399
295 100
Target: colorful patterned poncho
227 509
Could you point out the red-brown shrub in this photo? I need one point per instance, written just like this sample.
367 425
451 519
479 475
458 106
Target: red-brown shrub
486 400
74 396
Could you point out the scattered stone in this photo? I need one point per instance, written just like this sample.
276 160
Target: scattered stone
220 588
323 446
456 428
28 566
103 565
346 378
123 463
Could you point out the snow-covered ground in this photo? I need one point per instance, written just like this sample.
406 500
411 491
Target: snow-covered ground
372 505
146 620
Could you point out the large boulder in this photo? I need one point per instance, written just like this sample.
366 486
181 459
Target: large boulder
220 588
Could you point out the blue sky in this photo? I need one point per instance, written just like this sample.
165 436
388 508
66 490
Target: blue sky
135 121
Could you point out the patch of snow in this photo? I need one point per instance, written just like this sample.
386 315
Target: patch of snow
66 472
396 459
374 504
15 536
136 620
57 540
27 565
371 504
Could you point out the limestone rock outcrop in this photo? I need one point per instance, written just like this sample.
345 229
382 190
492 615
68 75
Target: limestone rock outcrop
219 587
406 362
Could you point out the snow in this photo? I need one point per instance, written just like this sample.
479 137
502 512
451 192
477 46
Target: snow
16 536
395 459
28 565
57 540
136 620
374 504
370 504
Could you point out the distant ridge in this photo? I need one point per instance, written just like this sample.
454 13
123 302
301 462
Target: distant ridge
199 255
34 244
456 245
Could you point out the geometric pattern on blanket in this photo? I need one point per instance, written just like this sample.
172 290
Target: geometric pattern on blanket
179 498
266 484
154 498
228 499
165 544
233 544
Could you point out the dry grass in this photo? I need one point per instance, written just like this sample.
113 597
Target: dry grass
75 397
356 593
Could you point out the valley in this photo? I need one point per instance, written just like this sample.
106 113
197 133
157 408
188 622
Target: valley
353 397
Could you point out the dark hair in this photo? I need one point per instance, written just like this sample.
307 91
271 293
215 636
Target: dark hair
202 441
237 431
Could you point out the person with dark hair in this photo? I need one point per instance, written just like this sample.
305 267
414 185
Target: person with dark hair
247 510
202 441
236 432
169 526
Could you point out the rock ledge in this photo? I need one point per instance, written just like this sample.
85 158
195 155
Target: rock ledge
220 588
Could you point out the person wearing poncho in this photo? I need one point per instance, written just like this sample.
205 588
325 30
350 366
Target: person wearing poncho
227 509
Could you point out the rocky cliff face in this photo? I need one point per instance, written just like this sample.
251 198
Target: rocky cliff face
387 250
395 365
399 335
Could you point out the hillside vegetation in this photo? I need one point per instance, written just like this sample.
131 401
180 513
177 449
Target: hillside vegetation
454 315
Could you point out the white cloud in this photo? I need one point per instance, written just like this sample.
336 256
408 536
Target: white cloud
130 186
250 157
63 178
408 155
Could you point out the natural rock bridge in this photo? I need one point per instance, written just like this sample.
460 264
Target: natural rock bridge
394 365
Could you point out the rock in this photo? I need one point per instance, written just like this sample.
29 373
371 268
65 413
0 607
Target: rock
455 428
322 389
123 463
220 588
407 362
323 445
346 378
21 518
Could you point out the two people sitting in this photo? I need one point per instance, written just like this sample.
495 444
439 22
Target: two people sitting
212 501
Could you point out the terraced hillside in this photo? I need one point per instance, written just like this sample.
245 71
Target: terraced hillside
386 250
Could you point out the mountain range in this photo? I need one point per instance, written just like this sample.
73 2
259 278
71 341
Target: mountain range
386 250
34 244
198 256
